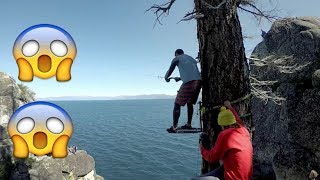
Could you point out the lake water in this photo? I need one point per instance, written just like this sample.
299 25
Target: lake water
128 139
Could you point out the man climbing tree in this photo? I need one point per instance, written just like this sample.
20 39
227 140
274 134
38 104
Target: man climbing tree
225 72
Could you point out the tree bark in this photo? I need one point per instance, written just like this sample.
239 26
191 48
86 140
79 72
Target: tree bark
224 67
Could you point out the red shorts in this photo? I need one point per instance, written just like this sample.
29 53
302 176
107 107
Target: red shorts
189 92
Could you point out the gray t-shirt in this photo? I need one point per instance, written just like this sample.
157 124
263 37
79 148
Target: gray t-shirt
187 67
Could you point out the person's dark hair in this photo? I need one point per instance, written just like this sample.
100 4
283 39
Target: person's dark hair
179 52
235 125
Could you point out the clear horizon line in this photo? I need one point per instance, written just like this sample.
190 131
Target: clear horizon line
116 96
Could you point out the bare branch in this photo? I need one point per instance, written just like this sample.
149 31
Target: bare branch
214 7
160 10
188 16
247 37
196 15
191 16
256 11
246 2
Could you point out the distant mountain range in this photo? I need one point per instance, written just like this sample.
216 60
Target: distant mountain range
72 98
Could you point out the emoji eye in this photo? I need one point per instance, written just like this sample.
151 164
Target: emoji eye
25 125
30 48
59 48
55 125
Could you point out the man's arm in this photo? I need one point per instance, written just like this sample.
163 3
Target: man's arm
228 105
177 79
216 153
173 65
236 115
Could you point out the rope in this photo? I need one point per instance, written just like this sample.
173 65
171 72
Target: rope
198 150
204 109
245 115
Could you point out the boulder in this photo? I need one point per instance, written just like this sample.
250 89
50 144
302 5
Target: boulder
289 51
79 165
294 163
47 168
286 104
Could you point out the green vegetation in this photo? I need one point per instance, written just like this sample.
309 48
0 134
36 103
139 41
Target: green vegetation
26 91
70 176
6 167
29 161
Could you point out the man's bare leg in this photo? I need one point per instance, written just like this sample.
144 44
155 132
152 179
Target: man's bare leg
176 114
190 113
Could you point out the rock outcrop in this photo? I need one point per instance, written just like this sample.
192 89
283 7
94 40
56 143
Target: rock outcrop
75 166
286 105
11 97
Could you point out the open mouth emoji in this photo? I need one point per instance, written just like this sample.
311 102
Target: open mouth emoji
44 51
40 128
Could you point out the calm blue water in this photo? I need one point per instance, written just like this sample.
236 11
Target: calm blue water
128 139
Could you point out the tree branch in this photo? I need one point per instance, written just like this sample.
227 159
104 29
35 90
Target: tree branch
256 11
214 7
246 2
196 15
247 37
191 15
160 10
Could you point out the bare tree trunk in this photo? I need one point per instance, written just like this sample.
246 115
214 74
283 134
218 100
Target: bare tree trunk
224 67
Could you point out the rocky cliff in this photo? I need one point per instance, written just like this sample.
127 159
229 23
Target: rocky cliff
286 107
75 166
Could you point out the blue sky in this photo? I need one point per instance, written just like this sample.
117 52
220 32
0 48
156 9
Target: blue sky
119 51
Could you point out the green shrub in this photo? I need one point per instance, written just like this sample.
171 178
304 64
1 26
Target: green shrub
29 161
26 91
6 167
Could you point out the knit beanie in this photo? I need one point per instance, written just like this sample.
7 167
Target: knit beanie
226 117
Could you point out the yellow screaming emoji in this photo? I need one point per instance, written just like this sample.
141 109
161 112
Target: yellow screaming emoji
44 51
40 128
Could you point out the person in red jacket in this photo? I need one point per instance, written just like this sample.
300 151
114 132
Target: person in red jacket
233 148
